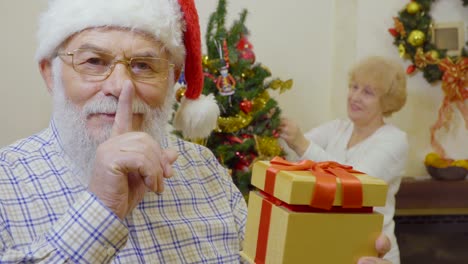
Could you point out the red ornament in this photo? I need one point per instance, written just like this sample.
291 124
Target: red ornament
245 49
226 52
233 139
276 134
248 55
410 69
244 44
393 32
246 106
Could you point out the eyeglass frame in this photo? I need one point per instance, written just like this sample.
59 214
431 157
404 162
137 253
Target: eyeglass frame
126 61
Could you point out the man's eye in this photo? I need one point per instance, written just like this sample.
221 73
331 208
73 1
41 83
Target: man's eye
141 66
96 61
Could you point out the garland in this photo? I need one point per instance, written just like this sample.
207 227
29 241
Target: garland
412 34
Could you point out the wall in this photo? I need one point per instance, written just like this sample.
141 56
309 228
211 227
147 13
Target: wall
25 105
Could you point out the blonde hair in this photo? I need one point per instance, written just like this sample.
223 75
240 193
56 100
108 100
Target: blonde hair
386 77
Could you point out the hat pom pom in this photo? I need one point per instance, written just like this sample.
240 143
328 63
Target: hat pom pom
197 118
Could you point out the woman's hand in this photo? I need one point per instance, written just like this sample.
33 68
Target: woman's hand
292 134
382 245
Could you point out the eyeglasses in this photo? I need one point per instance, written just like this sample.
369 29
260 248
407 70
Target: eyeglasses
99 65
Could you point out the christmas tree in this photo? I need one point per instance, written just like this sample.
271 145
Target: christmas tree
249 117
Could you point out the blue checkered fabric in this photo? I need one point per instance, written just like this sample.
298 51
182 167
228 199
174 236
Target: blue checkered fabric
48 216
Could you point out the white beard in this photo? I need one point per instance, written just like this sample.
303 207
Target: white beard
78 143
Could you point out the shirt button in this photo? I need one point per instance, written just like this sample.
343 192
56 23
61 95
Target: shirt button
110 251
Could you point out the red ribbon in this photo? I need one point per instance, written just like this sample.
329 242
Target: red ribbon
325 181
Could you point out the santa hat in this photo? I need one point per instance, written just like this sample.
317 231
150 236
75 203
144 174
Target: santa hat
173 22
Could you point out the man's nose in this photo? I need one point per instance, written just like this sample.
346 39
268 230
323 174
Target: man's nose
114 83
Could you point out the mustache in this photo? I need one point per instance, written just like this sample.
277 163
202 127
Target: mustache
108 105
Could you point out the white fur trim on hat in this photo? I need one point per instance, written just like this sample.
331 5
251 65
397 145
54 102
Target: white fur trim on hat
197 118
63 18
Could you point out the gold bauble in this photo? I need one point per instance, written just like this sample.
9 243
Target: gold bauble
413 8
248 73
205 60
180 93
402 50
416 38
434 54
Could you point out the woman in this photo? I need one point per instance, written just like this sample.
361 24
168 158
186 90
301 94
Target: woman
377 89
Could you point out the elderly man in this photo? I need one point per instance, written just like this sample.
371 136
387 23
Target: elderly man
105 182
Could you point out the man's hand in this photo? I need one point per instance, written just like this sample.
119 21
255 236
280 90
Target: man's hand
128 162
382 245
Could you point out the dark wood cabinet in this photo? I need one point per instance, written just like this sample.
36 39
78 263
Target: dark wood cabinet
432 221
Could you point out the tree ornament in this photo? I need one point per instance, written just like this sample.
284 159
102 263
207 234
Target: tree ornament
413 8
226 53
266 69
260 101
434 54
267 147
421 59
225 82
399 27
402 50
281 85
180 93
416 38
246 106
183 87
248 73
234 123
393 32
245 49
243 163
410 69
205 60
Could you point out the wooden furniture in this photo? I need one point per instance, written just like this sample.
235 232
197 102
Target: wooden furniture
425 196
431 221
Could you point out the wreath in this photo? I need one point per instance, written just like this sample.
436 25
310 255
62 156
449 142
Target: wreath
412 33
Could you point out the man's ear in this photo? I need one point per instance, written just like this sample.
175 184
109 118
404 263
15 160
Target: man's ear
45 67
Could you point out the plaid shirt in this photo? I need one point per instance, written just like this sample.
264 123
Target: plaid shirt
47 216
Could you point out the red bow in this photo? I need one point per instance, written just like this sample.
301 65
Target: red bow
325 187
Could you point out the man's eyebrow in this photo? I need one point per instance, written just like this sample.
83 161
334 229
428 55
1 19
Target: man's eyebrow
148 53
94 47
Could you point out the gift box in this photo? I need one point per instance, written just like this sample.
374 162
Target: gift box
311 212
